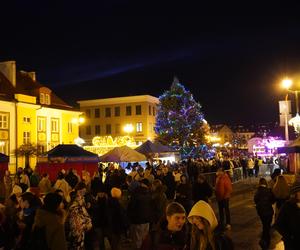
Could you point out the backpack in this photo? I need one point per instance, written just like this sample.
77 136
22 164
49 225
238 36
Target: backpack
38 239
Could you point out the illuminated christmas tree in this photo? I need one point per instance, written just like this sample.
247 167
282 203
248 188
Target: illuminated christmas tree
180 122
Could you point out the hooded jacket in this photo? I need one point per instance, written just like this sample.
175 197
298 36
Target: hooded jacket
54 225
204 210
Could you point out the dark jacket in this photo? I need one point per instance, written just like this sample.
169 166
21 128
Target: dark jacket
163 239
264 199
202 191
140 206
54 225
287 224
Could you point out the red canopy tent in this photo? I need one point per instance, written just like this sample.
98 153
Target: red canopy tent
67 156
4 159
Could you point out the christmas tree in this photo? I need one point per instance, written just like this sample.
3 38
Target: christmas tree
180 122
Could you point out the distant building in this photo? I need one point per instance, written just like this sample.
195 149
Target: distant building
223 132
109 116
31 113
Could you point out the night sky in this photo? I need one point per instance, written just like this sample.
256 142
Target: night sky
230 57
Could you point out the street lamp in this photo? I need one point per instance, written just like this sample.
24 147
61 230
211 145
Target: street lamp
128 128
295 121
286 84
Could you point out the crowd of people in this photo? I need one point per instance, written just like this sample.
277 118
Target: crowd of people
160 206
155 207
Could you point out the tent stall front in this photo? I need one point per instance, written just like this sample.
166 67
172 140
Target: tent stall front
67 156
4 159
155 149
293 152
122 154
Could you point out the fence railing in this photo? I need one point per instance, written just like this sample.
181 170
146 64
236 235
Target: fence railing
235 174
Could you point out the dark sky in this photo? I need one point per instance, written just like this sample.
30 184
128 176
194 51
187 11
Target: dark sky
230 57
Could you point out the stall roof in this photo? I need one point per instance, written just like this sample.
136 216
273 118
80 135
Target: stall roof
149 147
122 154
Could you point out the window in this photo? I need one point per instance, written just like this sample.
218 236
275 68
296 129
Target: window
70 127
138 109
150 110
97 130
117 111
26 137
88 113
54 125
4 121
26 119
47 99
153 111
128 110
139 127
108 129
88 130
41 124
117 128
42 98
107 112
97 113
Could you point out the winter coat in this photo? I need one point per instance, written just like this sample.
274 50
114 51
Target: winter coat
45 185
169 181
159 201
223 188
140 206
202 191
287 224
264 199
55 231
163 239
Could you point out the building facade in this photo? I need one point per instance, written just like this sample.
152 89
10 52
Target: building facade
119 116
31 114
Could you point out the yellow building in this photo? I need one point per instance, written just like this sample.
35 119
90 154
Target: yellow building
31 114
119 116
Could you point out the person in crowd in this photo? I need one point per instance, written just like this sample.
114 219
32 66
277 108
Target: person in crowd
139 211
51 218
256 166
184 193
45 184
264 199
177 174
62 184
201 189
169 181
203 233
78 220
281 191
28 204
223 190
172 232
159 201
71 178
250 167
8 184
288 220
148 174
86 178
34 179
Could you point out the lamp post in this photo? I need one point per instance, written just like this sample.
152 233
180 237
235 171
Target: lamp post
286 83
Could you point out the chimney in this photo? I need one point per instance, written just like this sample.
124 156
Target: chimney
32 75
9 70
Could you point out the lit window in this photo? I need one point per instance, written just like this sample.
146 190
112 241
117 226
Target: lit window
41 124
139 127
4 121
42 98
26 137
47 99
54 125
70 127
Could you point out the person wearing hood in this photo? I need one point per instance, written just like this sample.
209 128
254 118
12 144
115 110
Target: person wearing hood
51 217
204 235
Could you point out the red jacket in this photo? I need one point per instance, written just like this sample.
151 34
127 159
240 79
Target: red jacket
223 187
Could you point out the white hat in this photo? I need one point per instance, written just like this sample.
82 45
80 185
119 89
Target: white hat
204 210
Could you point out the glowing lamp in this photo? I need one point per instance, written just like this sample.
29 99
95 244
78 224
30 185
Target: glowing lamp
128 128
287 83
